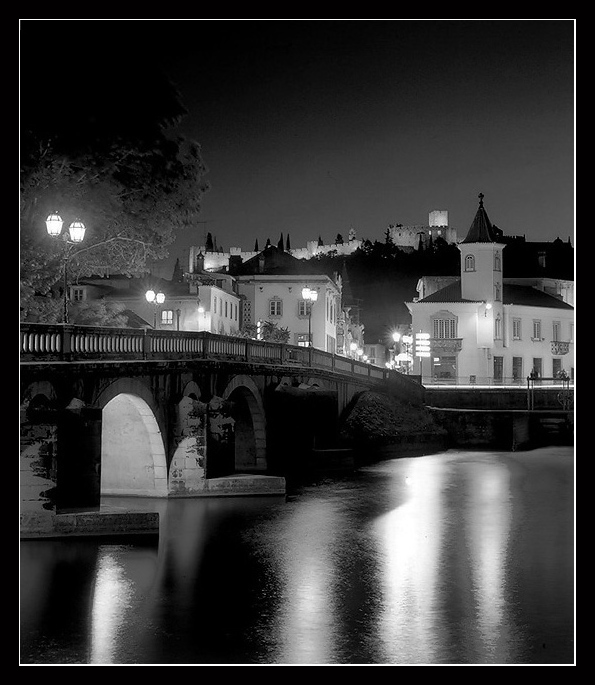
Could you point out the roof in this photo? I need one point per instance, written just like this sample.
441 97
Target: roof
481 230
512 294
274 261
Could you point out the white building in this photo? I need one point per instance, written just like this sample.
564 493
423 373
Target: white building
278 299
486 329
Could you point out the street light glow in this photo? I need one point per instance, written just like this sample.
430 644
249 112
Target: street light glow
54 224
77 231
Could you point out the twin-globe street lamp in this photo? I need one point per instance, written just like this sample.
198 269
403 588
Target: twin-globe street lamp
310 296
76 231
156 299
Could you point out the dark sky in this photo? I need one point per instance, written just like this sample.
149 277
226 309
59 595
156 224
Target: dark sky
309 128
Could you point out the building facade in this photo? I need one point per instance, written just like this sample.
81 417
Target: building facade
486 329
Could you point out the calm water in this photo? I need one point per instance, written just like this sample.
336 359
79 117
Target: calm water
454 558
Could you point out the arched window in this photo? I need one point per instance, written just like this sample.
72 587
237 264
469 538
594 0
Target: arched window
469 263
497 292
497 327
497 262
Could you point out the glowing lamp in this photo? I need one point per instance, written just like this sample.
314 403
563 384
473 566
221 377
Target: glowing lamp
54 224
77 231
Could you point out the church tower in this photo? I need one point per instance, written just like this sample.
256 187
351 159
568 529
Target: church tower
481 261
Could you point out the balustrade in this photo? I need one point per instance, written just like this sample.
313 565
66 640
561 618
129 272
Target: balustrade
41 342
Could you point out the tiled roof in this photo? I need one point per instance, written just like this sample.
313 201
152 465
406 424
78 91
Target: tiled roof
512 294
450 293
526 295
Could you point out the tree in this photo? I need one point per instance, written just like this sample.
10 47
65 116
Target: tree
339 239
209 243
270 331
177 275
110 156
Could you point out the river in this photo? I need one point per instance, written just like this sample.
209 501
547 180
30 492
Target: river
461 557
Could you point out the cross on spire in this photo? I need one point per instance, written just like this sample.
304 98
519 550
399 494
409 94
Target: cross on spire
480 196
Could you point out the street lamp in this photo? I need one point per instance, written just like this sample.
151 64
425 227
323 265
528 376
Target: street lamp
310 296
156 299
75 235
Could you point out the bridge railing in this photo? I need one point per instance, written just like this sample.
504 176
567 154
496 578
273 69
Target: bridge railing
71 343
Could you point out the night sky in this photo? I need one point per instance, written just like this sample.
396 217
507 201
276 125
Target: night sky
311 127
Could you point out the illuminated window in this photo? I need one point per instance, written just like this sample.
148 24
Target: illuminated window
275 307
469 263
301 339
167 317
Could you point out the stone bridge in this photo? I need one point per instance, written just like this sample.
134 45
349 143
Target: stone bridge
162 414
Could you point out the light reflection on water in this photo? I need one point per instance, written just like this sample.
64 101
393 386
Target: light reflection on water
459 557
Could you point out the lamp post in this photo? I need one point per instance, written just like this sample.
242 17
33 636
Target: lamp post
156 299
310 296
75 235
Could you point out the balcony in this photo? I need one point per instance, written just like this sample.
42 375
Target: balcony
446 346
559 347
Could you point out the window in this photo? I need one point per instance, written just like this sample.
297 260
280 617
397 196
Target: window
497 292
235 307
497 328
445 328
536 329
444 367
301 339
537 366
516 329
497 262
556 331
275 307
498 368
167 317
78 294
304 307
556 367
517 368
214 304
225 308
469 263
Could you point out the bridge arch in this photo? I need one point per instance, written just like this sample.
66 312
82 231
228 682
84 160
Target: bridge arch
133 459
250 424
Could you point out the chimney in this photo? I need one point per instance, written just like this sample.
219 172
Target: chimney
235 261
